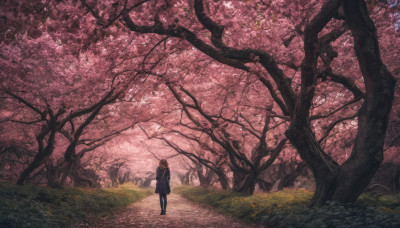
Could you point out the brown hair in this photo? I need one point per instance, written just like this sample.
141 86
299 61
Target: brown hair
163 163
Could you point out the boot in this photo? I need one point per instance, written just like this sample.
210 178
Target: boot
162 212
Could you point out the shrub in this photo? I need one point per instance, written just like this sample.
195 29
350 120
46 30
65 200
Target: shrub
33 206
289 208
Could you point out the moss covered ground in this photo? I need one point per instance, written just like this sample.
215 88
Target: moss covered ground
289 208
33 206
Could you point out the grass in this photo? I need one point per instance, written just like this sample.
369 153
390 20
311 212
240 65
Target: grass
289 208
33 206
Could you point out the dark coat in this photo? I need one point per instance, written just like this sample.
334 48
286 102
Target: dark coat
162 177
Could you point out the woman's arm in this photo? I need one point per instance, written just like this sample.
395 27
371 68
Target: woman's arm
168 174
158 174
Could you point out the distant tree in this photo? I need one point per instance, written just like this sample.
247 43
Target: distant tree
60 112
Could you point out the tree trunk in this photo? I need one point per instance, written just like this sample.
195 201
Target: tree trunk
206 179
39 159
223 179
182 178
288 179
187 178
31 167
264 186
113 173
367 155
237 179
84 178
245 182
137 181
123 178
346 182
44 152
52 176
203 179
147 182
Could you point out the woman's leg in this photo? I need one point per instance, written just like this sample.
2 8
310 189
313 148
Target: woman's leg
165 201
161 201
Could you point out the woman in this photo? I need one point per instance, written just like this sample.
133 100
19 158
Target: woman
162 186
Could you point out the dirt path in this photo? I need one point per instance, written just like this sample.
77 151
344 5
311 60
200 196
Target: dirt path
180 213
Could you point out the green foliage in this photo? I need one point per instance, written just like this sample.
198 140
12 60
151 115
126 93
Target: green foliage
289 208
208 196
33 206
388 203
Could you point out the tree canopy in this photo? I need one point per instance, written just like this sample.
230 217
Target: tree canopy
231 86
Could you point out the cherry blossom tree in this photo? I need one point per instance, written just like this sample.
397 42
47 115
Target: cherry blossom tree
245 163
320 63
334 182
65 108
